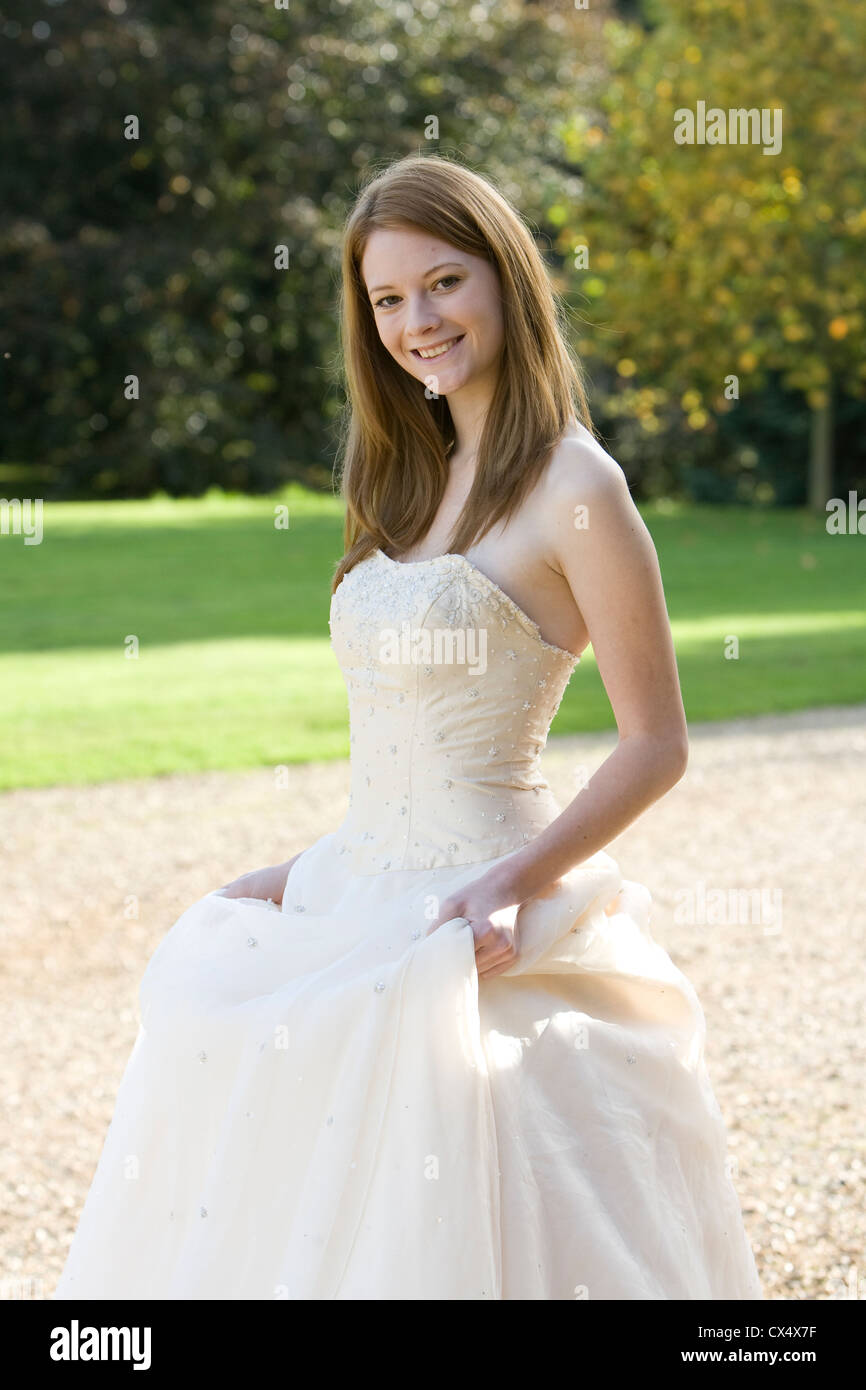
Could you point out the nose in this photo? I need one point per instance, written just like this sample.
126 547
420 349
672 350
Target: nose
421 318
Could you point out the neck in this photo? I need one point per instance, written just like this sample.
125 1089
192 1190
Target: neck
462 466
469 407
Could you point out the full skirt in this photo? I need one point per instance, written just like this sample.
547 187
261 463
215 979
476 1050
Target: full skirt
325 1102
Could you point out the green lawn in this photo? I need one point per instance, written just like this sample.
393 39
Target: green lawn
231 615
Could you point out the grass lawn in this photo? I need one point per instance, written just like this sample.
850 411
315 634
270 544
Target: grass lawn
231 615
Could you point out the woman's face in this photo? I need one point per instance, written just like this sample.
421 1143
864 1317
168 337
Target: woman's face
426 295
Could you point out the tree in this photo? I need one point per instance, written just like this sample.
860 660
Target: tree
148 250
711 266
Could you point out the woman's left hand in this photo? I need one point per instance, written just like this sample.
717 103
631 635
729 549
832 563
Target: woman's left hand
493 919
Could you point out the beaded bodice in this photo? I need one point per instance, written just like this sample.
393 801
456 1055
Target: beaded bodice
452 691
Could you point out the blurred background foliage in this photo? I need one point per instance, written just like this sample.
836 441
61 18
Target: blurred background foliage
155 257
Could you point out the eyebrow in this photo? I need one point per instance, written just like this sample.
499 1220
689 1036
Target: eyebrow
441 266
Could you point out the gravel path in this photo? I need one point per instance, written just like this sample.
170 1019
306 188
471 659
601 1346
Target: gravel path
95 876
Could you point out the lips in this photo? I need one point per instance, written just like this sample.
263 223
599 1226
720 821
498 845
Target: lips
448 343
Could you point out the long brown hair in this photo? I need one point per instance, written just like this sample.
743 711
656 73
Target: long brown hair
394 439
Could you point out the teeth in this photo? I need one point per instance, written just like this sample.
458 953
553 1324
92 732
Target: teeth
437 352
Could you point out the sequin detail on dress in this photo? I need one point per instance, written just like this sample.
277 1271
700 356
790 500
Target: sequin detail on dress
443 785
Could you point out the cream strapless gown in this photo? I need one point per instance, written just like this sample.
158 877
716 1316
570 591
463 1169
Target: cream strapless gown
324 1101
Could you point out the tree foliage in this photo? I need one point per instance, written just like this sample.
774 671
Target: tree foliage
155 258
714 261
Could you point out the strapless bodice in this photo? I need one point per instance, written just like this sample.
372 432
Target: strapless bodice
452 690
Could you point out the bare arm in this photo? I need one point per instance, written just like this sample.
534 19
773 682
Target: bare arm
612 570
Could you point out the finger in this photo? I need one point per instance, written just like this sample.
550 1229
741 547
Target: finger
234 890
496 969
491 948
442 921
500 954
498 958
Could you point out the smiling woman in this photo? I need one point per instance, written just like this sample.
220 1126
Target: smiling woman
430 315
444 289
439 1054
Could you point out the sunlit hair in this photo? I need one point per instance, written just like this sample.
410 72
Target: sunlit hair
394 439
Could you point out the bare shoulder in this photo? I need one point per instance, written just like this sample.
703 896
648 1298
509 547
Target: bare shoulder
584 493
581 468
596 541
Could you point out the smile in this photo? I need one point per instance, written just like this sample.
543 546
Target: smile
440 349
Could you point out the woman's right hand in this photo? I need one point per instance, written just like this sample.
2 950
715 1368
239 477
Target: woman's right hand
268 883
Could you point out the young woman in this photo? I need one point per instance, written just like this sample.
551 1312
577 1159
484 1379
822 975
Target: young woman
438 1055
